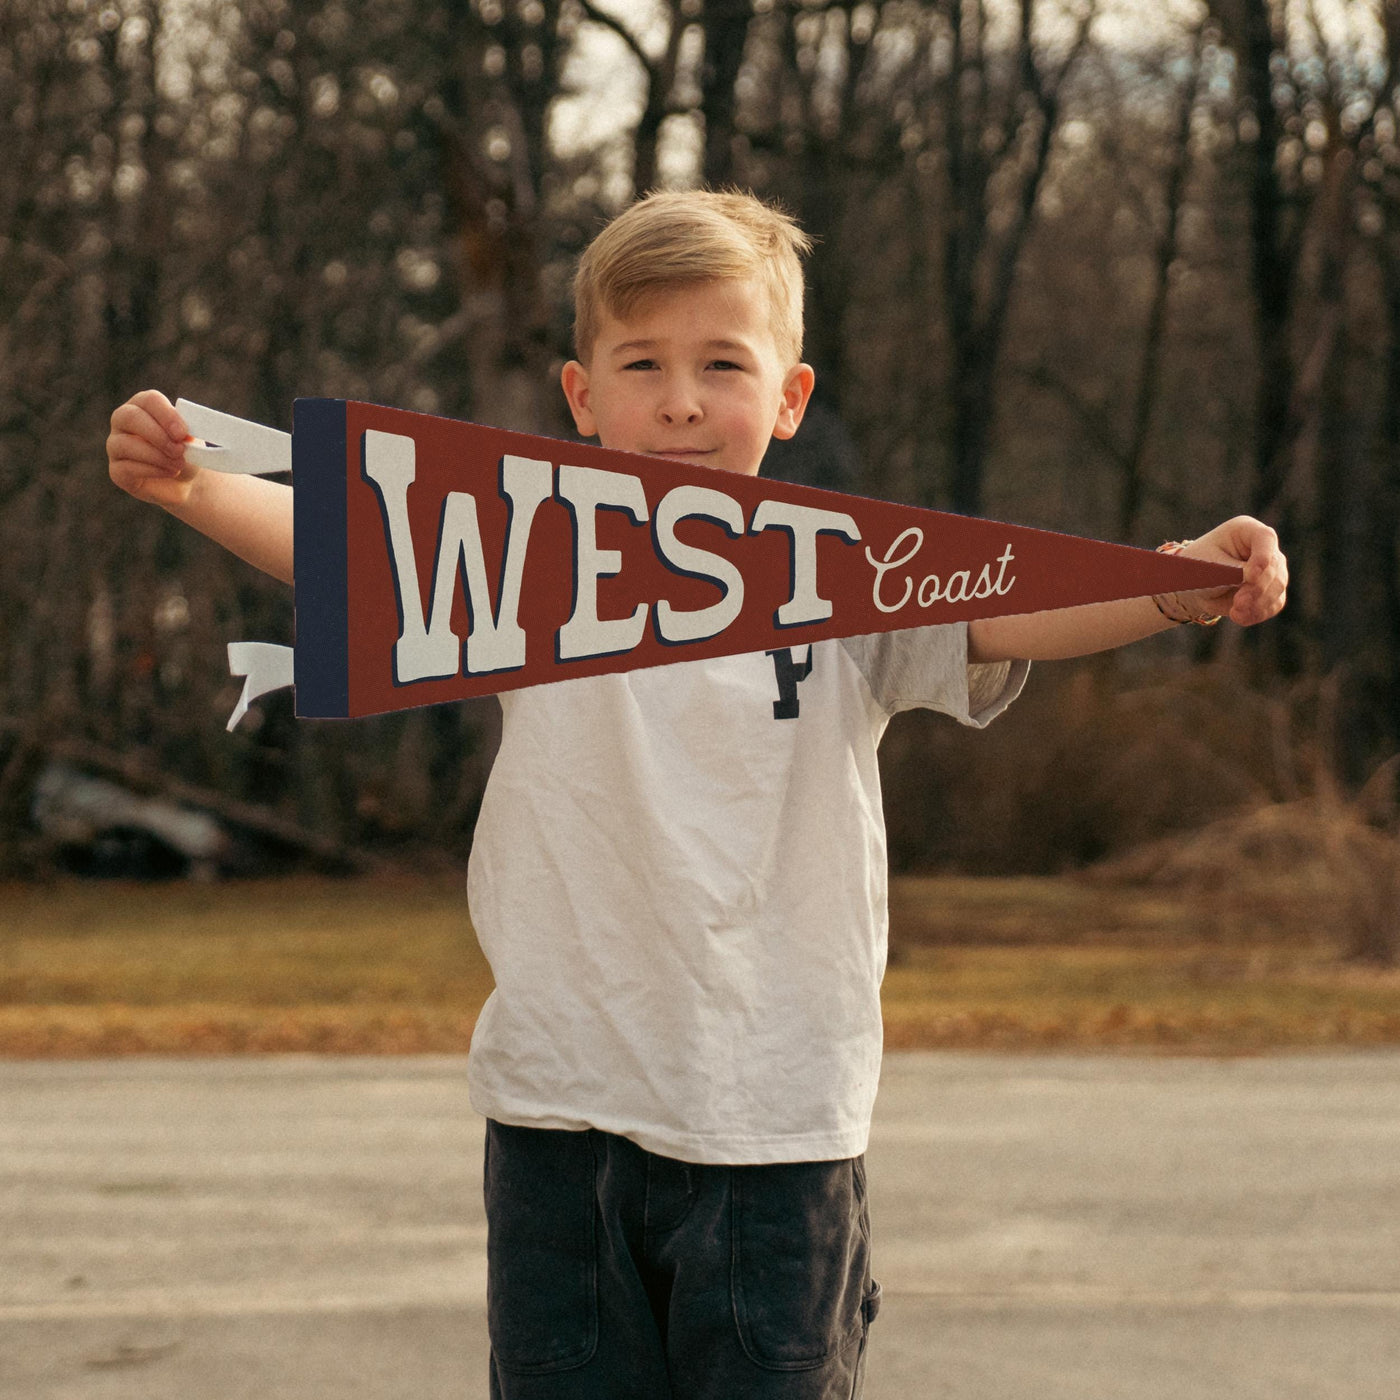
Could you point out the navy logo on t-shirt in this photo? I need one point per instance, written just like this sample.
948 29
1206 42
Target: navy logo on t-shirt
789 674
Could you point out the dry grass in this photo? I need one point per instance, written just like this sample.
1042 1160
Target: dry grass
1032 911
257 943
1313 870
301 964
1267 928
378 966
100 1029
1196 999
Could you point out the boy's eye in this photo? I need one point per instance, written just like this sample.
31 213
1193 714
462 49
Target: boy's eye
724 364
640 364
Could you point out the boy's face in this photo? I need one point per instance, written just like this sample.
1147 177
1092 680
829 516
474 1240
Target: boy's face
692 374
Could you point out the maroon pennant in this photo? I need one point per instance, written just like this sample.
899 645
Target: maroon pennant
436 560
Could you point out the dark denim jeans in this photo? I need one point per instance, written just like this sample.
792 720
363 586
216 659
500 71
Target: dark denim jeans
616 1274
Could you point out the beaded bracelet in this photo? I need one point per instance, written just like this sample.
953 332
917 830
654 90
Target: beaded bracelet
1170 605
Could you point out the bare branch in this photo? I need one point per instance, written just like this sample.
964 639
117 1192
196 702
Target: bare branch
607 21
1091 418
1145 399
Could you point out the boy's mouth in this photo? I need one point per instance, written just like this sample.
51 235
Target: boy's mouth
683 452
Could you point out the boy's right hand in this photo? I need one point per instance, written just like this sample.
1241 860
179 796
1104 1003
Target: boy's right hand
146 451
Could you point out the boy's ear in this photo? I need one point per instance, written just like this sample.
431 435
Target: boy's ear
574 378
797 391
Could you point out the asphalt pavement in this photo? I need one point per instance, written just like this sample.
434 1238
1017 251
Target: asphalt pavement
1045 1227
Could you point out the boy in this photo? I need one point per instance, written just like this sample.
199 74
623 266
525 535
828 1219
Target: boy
678 877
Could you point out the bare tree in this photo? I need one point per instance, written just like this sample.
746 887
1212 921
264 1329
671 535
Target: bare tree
999 125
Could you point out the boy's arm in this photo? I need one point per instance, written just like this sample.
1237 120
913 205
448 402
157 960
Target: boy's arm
246 514
1052 636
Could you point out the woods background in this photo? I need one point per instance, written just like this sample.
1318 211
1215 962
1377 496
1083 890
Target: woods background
1122 269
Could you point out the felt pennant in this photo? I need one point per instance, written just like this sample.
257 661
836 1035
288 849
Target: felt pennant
437 559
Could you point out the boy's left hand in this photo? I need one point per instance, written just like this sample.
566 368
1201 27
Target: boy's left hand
1264 589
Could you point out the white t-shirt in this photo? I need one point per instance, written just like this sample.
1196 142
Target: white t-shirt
683 897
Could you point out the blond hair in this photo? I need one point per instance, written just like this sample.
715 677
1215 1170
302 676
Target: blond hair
681 238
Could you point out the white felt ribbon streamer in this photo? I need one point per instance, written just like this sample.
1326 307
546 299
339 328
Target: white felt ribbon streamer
248 449
265 666
234 444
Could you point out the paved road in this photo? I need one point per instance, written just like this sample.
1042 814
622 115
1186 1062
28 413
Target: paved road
1047 1228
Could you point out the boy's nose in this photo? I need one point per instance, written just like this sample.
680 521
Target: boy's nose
680 404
